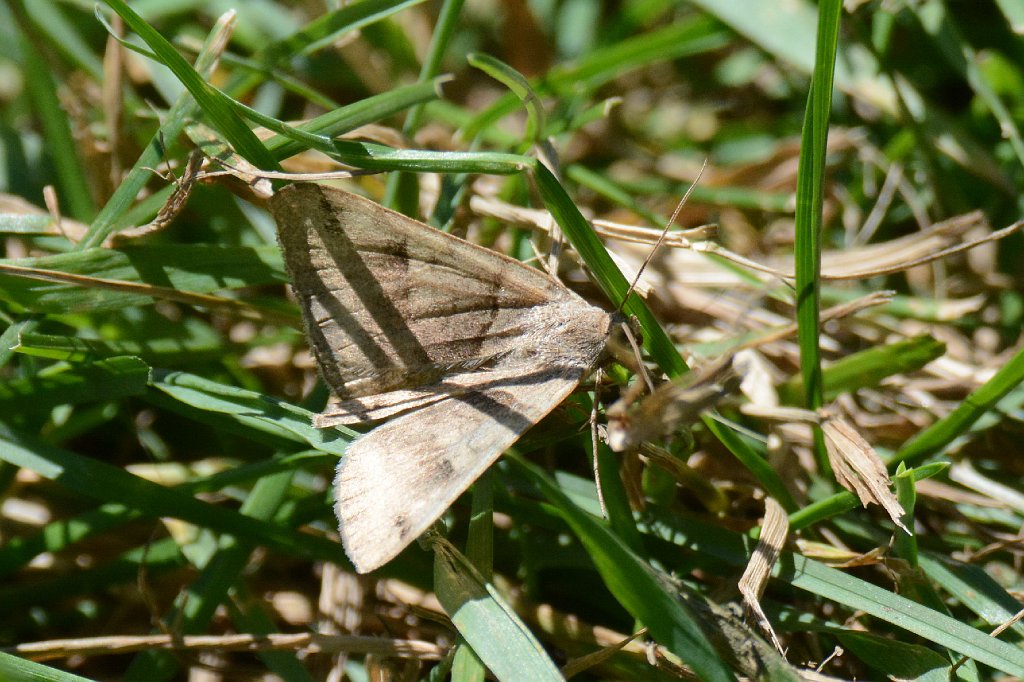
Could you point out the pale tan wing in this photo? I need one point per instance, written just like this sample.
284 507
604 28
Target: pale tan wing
381 406
376 407
389 302
397 480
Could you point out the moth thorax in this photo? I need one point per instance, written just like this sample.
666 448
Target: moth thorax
572 333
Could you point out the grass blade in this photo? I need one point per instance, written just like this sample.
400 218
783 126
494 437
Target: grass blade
108 483
636 586
501 640
810 197
944 431
213 102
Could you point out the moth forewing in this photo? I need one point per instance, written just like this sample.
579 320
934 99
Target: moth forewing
464 349
388 300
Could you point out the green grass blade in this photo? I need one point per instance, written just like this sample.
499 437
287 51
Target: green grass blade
199 268
974 588
869 367
896 660
191 344
961 56
42 89
520 87
635 585
599 183
255 410
16 669
329 27
350 117
616 502
402 191
59 535
155 559
10 336
323 30
686 37
836 504
926 623
1014 14
373 156
183 109
193 614
107 483
64 36
810 197
788 33
682 38
957 422
754 461
110 379
340 119
18 223
214 103
466 664
498 636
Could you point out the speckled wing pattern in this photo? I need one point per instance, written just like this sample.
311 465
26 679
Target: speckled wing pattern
462 348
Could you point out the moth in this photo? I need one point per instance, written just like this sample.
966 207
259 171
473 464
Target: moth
456 348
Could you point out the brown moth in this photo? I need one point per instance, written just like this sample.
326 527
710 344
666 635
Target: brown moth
460 348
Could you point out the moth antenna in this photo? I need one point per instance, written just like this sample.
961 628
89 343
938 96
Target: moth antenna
650 255
548 264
